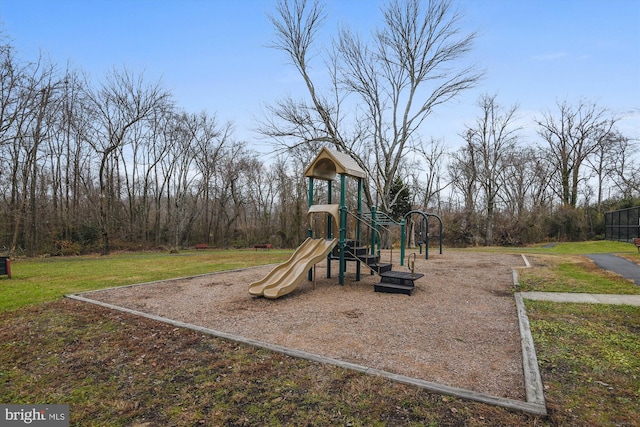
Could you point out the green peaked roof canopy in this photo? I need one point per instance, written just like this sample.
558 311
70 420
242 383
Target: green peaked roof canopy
329 162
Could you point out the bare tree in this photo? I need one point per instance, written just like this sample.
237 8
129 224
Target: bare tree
182 192
626 167
230 192
291 221
16 110
463 175
492 140
603 162
262 193
211 139
64 153
122 101
572 137
525 181
11 100
433 169
28 133
393 80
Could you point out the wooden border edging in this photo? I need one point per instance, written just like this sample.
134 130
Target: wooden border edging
530 407
532 380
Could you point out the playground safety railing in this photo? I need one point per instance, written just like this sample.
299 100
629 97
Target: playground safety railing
380 217
373 233
384 223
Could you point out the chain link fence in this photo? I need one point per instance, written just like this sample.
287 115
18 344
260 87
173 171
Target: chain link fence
623 224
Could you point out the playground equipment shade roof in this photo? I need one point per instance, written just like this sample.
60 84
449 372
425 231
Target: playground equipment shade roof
329 162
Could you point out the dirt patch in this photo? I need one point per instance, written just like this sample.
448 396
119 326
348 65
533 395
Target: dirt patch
457 328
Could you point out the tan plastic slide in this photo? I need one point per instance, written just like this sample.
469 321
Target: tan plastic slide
285 277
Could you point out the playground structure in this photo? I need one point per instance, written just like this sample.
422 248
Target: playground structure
337 234
423 230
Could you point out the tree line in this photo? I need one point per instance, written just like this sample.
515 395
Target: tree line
117 165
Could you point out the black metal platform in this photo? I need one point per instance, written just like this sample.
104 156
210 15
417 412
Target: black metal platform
397 282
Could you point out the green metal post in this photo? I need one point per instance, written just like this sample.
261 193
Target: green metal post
439 219
329 225
358 225
358 228
329 218
343 227
309 230
402 241
374 234
426 239
374 228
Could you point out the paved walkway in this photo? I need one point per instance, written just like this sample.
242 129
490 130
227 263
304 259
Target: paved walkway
583 298
618 265
610 262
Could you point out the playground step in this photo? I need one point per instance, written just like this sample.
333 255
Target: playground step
400 278
352 256
397 282
382 268
351 250
360 250
359 253
369 259
392 288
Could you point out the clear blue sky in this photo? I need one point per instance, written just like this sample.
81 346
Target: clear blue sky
212 54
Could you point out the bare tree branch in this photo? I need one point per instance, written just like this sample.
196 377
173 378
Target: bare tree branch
390 82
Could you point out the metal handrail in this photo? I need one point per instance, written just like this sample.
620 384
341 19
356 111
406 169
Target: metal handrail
382 218
362 219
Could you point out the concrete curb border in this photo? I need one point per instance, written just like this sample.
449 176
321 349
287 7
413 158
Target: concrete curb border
581 298
535 403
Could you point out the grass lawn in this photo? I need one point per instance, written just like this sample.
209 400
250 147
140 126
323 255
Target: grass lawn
572 248
47 279
117 369
588 357
571 273
566 248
